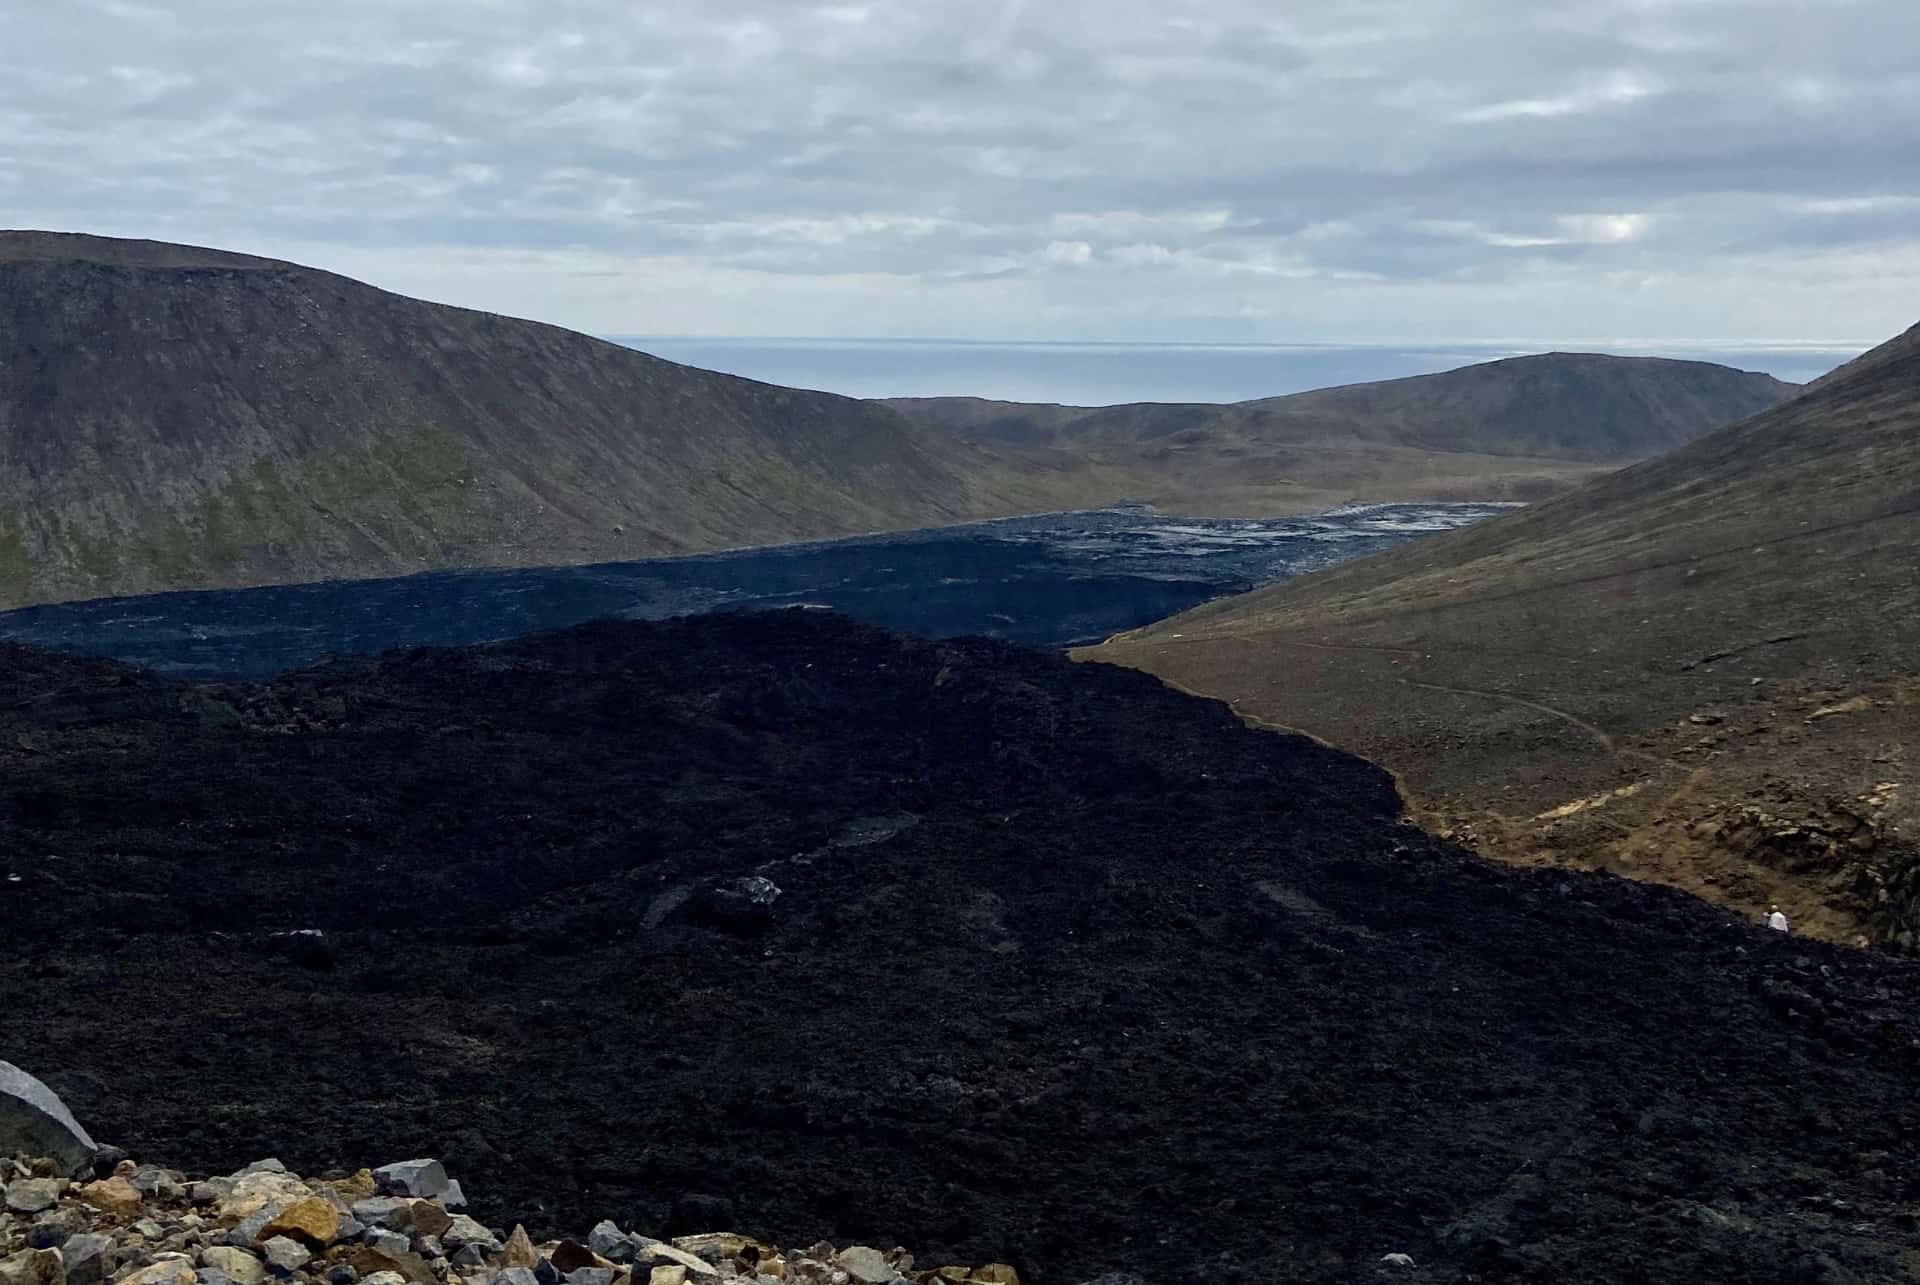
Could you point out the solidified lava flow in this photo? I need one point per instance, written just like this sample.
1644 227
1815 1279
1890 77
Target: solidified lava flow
954 945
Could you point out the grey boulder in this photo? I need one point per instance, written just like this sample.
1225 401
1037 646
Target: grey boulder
607 1240
421 1179
35 1122
87 1257
31 1195
386 1212
285 1257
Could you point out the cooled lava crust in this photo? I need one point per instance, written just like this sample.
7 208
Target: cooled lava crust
1064 969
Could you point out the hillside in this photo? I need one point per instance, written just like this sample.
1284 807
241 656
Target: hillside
785 925
1519 428
1704 669
172 417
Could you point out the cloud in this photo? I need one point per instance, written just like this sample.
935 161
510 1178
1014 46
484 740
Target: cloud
1351 171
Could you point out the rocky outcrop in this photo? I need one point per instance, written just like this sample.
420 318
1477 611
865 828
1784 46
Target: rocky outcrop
264 1225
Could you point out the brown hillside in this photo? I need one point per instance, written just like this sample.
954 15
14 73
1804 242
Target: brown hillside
1701 669
1522 428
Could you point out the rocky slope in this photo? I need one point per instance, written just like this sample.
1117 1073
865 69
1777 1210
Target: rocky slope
1521 428
400 1224
1704 669
172 417
787 926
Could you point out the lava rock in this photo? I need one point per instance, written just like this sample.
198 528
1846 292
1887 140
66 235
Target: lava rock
31 1195
612 1244
388 1242
696 1212
238 1265
246 1233
54 1227
285 1256
422 1179
388 1212
742 906
88 1258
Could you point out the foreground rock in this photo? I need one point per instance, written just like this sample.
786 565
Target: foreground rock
34 1121
305 1232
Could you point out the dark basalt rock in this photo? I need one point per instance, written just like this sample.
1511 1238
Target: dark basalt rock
1144 990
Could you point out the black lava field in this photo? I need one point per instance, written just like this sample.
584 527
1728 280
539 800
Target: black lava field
1064 969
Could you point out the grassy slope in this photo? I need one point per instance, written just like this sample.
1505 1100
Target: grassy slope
1523 428
177 418
1755 579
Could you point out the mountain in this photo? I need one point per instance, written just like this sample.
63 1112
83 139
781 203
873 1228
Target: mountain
173 417
1520 428
1703 669
817 931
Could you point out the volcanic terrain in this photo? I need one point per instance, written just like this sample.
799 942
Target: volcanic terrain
799 926
1704 669
183 418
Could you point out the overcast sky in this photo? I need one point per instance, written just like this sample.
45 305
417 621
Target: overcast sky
1692 171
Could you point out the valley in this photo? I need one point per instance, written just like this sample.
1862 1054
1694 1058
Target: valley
1049 581
178 418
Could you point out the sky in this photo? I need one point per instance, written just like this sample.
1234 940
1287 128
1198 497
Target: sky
1693 173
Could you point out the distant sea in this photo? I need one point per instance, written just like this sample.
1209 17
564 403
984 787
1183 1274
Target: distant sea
1099 374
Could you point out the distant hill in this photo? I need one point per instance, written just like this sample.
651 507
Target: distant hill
174 417
1520 428
1703 669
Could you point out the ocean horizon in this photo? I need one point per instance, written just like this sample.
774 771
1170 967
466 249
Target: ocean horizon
1100 374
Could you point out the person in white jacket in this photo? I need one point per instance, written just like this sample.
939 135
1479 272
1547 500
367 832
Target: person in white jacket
1776 920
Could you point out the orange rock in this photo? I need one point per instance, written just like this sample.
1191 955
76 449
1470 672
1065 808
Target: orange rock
113 1195
430 1218
313 1222
571 1255
170 1271
519 1251
995 1274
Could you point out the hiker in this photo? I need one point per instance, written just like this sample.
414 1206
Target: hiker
1776 920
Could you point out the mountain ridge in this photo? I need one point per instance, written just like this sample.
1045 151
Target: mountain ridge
1702 669
172 417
